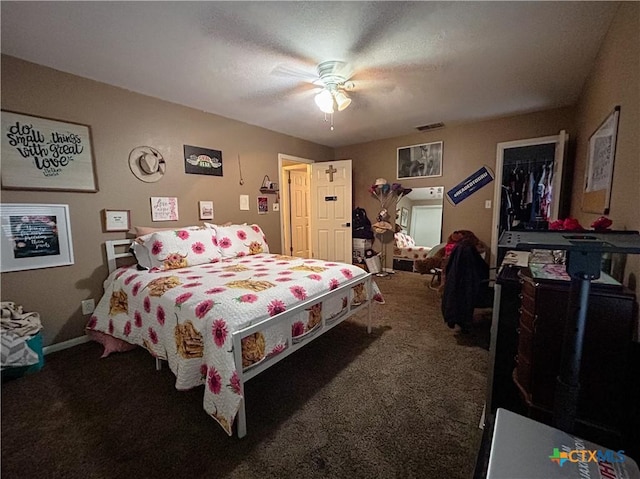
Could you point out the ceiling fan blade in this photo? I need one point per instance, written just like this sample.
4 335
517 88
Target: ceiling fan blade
289 71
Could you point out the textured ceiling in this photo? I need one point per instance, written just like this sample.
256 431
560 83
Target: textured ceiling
414 63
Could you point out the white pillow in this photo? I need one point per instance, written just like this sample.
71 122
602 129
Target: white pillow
240 240
180 248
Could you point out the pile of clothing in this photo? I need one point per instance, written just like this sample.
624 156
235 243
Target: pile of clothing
17 327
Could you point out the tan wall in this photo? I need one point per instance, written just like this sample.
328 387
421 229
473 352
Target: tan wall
614 80
466 148
121 120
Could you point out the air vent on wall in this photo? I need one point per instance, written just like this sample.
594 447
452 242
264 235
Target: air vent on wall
432 126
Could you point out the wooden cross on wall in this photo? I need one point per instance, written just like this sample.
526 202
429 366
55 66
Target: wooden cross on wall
330 172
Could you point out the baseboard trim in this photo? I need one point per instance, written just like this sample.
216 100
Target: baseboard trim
65 344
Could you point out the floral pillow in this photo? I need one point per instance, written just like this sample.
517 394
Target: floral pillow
181 248
404 240
241 240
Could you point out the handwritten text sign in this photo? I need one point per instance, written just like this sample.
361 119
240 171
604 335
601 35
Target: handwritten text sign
38 153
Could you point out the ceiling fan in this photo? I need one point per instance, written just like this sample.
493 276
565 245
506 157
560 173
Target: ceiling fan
333 77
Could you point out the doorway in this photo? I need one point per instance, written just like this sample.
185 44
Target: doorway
528 189
295 177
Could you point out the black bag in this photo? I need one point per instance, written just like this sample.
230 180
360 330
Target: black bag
361 224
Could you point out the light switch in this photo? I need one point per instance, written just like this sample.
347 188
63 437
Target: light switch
276 207
487 204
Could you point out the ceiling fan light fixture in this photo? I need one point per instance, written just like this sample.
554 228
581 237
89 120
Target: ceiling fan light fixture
324 100
342 100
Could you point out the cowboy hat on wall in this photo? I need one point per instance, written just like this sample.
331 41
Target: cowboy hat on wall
147 164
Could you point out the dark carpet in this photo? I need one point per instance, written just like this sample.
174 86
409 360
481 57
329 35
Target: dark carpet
402 402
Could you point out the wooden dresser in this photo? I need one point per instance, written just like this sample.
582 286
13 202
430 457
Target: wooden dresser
607 343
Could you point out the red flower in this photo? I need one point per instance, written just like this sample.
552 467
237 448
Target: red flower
137 319
283 279
127 328
299 292
203 371
182 234
315 277
255 228
147 304
214 240
220 332
224 243
248 298
214 381
153 336
242 235
156 248
191 285
276 307
333 284
92 322
297 329
160 315
203 308
215 290
130 278
234 383
346 273
197 248
180 300
136 288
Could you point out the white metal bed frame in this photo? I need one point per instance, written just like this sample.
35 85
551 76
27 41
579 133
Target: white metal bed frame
114 250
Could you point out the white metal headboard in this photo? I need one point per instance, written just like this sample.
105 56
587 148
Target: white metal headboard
114 252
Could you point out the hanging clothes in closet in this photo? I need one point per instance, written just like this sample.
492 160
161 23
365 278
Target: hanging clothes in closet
526 195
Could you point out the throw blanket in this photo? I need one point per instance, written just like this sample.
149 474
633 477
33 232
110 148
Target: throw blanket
17 327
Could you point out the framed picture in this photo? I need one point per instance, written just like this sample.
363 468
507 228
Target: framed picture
46 154
206 210
202 161
600 161
116 220
420 161
263 205
404 217
164 208
35 236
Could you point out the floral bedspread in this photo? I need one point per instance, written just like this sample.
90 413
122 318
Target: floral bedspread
411 252
186 316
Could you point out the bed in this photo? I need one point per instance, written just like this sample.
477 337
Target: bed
406 253
225 320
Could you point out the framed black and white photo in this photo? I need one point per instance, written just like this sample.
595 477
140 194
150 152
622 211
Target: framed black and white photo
420 161
116 220
202 161
600 162
206 210
46 154
35 236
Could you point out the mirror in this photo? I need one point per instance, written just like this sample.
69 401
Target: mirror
419 214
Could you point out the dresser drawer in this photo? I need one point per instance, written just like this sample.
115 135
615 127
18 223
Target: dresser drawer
528 319
525 343
523 374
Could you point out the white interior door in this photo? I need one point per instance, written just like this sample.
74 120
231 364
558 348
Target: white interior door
299 181
561 141
331 211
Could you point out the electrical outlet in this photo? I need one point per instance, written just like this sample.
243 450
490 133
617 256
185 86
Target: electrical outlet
88 306
276 207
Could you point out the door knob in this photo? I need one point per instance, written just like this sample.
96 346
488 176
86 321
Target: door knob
346 225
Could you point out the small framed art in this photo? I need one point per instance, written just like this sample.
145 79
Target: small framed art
206 210
116 220
164 208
